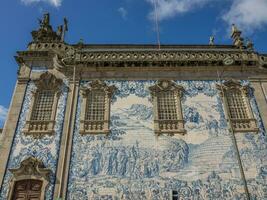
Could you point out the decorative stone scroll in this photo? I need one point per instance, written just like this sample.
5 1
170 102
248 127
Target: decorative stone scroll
30 169
172 121
97 124
237 106
40 127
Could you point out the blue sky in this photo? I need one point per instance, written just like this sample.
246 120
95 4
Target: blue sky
125 21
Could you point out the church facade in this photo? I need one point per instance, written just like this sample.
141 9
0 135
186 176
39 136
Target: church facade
136 121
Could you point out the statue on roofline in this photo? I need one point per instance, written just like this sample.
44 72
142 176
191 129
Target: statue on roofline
45 22
234 29
45 33
212 39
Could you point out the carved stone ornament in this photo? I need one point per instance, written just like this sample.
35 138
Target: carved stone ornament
45 33
48 81
232 85
100 86
228 61
30 169
263 61
96 126
166 85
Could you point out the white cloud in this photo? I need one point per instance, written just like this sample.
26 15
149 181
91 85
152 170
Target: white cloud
248 15
3 114
123 12
55 3
170 8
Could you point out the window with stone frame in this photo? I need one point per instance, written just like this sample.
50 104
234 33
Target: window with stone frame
237 106
43 107
95 109
168 117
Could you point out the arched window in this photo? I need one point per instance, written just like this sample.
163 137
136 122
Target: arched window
168 117
42 113
237 106
95 109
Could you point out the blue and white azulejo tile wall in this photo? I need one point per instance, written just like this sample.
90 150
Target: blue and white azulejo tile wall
45 149
133 163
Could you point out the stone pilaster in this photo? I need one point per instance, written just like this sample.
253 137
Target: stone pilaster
11 125
260 93
66 142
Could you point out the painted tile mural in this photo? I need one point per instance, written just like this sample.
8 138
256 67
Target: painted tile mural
133 163
45 149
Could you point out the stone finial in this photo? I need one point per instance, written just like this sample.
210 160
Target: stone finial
212 38
238 41
80 44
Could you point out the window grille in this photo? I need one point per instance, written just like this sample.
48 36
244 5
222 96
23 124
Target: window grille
237 105
43 106
95 106
167 106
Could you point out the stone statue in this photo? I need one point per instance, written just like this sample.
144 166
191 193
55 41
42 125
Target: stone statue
234 29
60 31
45 22
212 38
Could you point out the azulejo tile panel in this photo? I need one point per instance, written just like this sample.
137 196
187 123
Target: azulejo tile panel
46 149
133 163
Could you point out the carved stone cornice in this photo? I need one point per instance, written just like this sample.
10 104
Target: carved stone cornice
174 58
66 56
